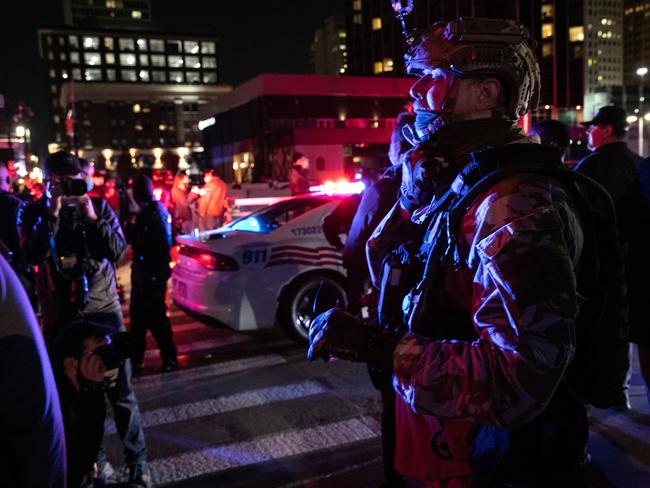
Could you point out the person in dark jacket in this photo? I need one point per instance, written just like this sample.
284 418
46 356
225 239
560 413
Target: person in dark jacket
151 239
74 240
615 166
552 133
32 442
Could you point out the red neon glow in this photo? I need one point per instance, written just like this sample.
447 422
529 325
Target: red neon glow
157 193
210 261
340 187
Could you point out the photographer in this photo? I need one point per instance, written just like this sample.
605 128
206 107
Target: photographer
86 364
74 239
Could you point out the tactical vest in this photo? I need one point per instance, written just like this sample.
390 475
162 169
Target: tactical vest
412 297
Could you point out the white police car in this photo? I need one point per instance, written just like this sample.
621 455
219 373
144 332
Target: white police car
262 267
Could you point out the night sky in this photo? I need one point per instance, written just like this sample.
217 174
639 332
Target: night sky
254 37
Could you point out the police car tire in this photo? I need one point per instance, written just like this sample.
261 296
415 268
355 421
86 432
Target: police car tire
296 292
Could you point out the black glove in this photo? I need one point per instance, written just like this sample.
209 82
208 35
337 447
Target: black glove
339 334
423 169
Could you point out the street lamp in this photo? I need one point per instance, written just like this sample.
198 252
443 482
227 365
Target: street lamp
641 72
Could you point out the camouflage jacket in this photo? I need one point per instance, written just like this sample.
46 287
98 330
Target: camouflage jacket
517 286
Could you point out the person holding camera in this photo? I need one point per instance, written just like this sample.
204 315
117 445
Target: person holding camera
151 239
74 240
86 364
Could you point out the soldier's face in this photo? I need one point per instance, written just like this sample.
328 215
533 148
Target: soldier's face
430 91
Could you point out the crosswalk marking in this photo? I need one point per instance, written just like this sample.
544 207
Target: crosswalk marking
213 406
262 449
201 372
191 347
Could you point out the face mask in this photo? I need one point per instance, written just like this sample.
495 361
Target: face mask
423 119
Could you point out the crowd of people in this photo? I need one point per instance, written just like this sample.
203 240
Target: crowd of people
509 286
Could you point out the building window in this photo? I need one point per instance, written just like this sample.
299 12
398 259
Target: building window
174 47
52 73
110 58
111 3
357 19
191 47
93 75
378 67
136 14
127 59
142 44
74 57
210 77
110 74
376 23
92 59
547 31
76 74
144 60
144 75
356 5
193 77
91 42
109 43
576 34
547 50
158 76
126 44
50 56
388 64
128 75
209 62
192 62
208 48
156 45
61 41
547 12
56 119
73 41
176 76
175 61
157 60
62 56
53 89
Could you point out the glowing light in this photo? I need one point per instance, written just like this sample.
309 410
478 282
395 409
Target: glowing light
631 119
642 71
157 152
204 124
132 152
647 116
20 131
258 201
107 153
340 187
578 107
157 193
547 107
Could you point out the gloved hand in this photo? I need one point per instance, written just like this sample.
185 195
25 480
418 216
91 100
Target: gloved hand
339 334
423 169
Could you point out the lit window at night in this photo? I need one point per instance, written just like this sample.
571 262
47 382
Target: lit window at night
209 62
576 34
142 44
376 23
175 61
378 67
547 50
176 76
191 47
127 59
93 59
193 77
91 42
210 77
110 58
158 60
111 4
547 31
109 43
126 44
144 60
73 41
93 75
76 74
128 75
143 75
208 48
136 14
357 19
158 76
192 62
547 11
356 5
388 64
156 45
110 75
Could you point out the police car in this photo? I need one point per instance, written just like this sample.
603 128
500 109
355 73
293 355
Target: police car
264 268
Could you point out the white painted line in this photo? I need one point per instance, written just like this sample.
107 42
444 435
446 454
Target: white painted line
201 372
262 449
191 347
213 406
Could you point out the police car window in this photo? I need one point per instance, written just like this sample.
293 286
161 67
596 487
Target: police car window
275 216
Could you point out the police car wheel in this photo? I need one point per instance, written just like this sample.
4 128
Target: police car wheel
297 307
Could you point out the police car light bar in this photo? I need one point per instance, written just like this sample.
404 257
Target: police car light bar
340 187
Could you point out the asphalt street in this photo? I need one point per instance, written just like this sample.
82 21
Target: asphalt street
248 410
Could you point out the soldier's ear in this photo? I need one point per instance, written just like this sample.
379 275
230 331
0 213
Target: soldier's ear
489 93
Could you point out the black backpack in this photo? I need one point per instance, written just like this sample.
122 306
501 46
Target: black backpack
598 369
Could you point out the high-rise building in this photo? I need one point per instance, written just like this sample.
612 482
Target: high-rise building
127 91
580 56
106 13
329 55
636 21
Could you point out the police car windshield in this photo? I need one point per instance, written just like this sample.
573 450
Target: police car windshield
270 218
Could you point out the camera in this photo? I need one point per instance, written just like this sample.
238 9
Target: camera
72 187
117 351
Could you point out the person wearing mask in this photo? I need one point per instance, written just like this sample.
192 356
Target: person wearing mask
74 240
212 201
480 263
151 239
32 441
